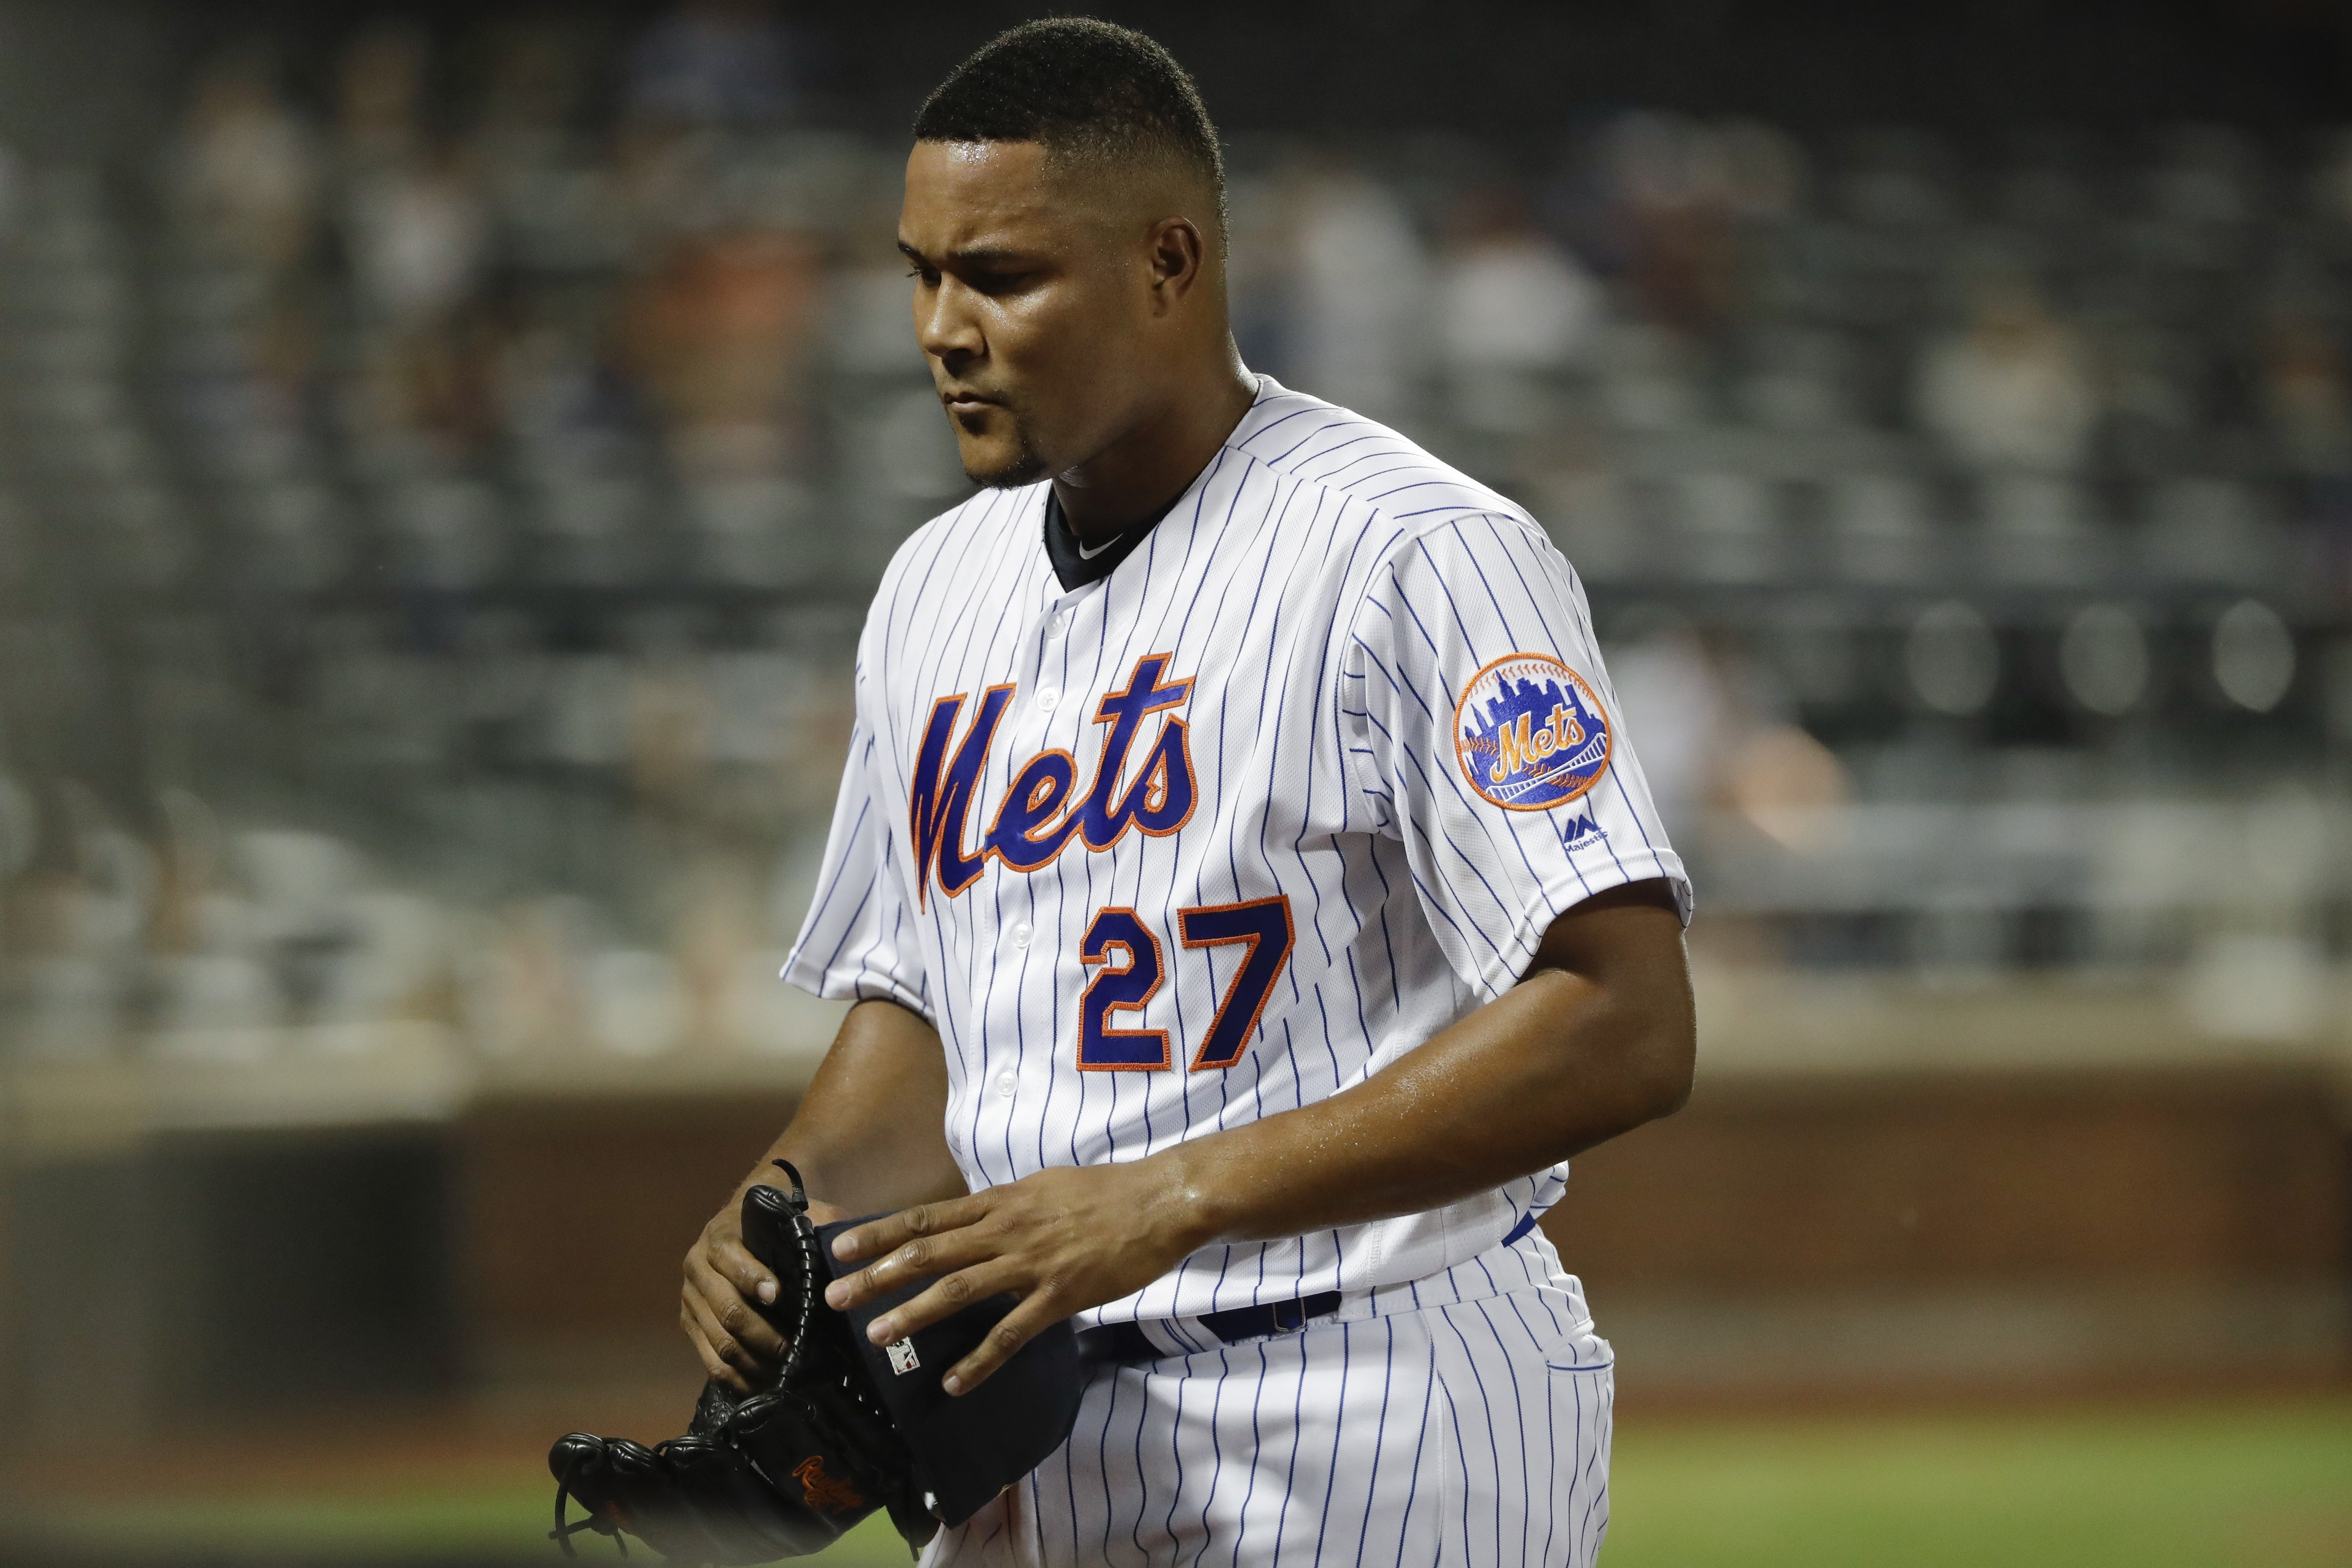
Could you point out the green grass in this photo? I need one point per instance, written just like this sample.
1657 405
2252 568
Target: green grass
2162 1488
2206 1487
496 1525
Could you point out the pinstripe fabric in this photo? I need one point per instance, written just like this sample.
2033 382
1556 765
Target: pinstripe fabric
1328 590
1473 1433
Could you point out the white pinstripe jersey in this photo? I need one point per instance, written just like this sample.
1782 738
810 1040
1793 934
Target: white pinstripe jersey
1298 785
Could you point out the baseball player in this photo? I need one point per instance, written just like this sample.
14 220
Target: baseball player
1247 890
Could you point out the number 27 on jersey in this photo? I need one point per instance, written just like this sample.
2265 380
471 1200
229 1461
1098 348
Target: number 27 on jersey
1129 966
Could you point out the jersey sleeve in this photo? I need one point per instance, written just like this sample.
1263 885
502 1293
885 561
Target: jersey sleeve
1483 733
860 941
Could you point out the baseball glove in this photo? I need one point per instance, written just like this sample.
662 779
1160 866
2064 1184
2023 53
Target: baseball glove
781 1473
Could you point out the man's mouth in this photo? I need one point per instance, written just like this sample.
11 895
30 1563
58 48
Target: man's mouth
963 401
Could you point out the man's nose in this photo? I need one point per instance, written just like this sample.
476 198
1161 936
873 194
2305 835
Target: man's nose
944 325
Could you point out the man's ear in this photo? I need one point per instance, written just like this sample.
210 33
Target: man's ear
1179 255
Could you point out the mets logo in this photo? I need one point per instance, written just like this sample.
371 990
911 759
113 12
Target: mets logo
1530 733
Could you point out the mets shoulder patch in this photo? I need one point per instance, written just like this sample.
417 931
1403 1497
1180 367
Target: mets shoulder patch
1530 733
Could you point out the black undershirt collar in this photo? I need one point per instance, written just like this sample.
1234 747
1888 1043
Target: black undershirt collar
1078 565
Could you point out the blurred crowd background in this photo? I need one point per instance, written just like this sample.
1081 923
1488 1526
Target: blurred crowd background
445 454
442 481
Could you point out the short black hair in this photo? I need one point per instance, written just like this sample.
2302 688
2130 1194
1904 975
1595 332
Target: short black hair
1082 87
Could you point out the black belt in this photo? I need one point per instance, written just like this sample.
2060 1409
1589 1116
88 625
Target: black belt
1128 1342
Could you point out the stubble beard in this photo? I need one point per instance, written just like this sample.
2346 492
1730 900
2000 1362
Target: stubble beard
1025 467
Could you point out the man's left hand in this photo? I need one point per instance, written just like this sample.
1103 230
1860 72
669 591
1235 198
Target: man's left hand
1062 1240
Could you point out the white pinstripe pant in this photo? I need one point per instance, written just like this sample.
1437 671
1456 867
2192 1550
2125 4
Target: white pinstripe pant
1472 1435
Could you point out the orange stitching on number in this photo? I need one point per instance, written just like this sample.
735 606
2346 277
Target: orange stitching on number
1200 1061
1158 978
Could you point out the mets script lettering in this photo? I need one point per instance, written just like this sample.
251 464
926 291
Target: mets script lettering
1516 748
1042 810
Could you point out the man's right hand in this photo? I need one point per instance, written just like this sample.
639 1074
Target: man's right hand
868 1132
715 1308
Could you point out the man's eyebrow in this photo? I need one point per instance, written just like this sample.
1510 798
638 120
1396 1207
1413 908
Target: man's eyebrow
977 255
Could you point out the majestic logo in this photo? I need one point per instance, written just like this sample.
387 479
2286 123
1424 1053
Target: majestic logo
1530 733
1584 832
1041 811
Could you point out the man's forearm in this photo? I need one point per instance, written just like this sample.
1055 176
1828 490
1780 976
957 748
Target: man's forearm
1574 1054
868 1137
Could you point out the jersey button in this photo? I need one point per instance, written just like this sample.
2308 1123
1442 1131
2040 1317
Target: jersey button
1047 699
1006 1083
1020 934
1059 623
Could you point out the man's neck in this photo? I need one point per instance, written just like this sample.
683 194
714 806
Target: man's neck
1139 474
